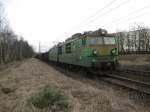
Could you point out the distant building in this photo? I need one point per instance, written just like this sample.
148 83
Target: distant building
138 40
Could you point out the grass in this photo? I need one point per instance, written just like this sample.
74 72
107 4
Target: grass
52 99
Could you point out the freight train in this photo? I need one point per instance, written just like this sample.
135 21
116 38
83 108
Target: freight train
95 50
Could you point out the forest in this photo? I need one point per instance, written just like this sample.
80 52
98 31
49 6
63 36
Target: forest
12 46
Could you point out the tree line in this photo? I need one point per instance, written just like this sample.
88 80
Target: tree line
135 41
12 47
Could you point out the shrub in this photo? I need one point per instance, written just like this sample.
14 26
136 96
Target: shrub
51 98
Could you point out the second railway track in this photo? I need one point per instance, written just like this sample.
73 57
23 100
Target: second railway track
130 80
134 71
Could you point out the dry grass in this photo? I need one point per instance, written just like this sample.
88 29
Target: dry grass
28 80
50 99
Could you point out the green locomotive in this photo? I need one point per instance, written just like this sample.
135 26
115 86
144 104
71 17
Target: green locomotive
96 49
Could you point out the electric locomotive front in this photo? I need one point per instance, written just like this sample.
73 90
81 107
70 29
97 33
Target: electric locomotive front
101 50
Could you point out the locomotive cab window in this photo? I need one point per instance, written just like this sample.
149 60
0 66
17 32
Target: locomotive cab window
96 40
68 48
109 40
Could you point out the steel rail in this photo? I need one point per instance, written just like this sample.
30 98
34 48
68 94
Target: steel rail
140 72
129 83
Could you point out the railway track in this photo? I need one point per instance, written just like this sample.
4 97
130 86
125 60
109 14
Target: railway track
133 71
132 79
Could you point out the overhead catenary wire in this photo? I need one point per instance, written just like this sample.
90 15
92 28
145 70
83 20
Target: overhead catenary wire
93 15
112 9
97 12
127 16
103 14
128 19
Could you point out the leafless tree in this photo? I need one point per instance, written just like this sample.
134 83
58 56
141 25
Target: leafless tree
11 48
136 40
121 41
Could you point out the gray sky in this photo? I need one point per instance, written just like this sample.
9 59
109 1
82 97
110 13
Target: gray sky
50 21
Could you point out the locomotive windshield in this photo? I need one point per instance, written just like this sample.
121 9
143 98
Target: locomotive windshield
102 40
109 40
96 40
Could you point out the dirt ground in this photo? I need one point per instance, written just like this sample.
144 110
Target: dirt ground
21 80
135 61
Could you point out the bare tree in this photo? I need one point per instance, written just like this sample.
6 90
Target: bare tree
137 40
11 48
121 41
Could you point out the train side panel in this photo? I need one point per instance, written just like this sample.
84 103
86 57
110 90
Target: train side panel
70 52
75 56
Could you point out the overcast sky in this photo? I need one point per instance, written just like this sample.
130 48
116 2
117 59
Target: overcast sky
51 21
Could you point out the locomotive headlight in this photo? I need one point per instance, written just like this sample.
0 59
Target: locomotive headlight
95 52
113 52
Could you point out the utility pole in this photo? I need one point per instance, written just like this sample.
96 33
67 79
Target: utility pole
39 47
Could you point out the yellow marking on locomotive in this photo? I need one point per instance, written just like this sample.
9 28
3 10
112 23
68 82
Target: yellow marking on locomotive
98 46
103 49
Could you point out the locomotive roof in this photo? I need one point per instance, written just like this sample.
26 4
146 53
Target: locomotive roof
99 32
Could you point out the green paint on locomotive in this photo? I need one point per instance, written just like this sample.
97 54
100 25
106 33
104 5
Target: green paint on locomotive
79 51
